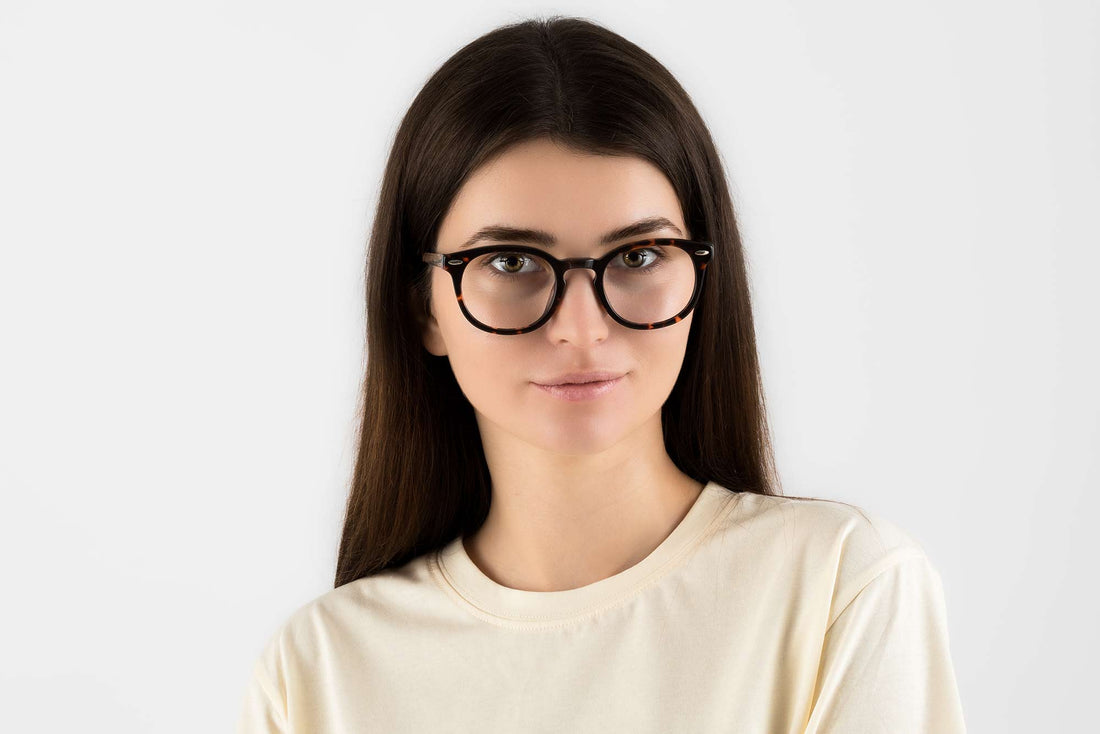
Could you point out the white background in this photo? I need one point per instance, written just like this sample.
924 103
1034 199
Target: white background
186 191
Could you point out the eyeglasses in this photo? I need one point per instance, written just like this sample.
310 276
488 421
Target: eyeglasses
659 290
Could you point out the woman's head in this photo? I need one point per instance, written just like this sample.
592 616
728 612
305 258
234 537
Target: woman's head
559 125
577 198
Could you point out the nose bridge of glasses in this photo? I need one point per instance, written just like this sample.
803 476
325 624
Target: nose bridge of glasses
583 265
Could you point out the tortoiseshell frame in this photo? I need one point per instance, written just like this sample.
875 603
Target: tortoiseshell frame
455 263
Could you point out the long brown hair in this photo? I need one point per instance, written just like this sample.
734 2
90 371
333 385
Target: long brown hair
420 477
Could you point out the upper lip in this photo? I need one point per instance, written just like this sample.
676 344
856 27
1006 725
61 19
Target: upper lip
577 377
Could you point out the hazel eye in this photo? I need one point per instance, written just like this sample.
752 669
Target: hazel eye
654 260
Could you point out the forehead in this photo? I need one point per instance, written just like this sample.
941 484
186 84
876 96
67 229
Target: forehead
574 195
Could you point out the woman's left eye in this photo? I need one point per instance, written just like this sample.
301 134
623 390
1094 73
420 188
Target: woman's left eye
632 257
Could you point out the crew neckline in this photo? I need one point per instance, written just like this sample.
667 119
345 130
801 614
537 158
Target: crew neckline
459 575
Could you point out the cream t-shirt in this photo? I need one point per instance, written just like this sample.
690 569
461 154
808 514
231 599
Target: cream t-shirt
755 615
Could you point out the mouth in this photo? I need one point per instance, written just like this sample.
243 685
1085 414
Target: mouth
580 378
579 391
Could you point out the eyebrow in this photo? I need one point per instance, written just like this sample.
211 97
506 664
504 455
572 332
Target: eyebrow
503 233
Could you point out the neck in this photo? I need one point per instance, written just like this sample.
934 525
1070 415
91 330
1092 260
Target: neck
566 522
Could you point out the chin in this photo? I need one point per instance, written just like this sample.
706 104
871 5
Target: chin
578 435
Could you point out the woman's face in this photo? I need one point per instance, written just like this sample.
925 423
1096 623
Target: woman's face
576 197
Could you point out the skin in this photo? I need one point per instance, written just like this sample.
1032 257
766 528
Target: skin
580 490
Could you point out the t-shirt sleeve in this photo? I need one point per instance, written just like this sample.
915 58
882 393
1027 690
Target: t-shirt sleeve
262 712
886 662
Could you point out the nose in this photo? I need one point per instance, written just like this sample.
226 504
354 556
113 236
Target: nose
580 315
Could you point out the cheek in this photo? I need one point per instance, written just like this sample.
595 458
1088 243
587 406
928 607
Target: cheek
481 361
663 349
488 367
660 358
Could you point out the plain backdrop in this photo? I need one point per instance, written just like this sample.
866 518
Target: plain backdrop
185 194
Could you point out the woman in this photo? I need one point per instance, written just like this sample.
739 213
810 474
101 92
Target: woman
563 515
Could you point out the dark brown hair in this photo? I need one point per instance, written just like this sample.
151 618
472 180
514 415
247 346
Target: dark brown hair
420 477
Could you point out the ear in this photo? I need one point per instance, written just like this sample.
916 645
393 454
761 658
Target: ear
430 333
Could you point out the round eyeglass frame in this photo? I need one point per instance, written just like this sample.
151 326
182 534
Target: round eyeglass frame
455 263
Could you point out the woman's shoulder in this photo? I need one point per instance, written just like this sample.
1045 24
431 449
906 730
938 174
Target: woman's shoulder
835 537
820 518
338 614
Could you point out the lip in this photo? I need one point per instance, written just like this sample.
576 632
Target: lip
579 377
583 391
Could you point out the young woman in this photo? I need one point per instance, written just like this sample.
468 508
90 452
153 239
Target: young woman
564 514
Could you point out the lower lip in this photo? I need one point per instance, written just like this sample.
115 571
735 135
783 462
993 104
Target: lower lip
584 391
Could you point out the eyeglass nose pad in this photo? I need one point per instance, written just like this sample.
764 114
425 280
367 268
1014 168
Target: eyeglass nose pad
592 288
588 271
